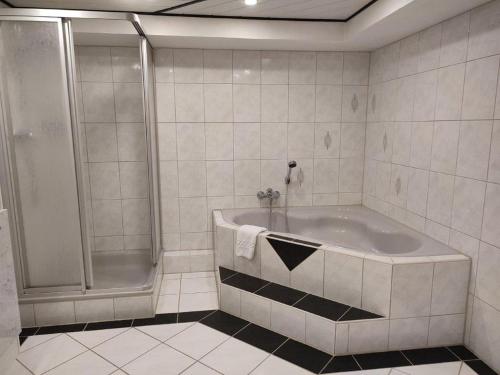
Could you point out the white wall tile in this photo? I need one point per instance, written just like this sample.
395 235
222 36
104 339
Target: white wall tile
343 278
320 333
454 40
189 103
421 144
445 146
246 141
274 66
273 141
217 66
473 149
246 177
274 103
408 333
329 68
219 141
246 66
356 68
301 103
368 336
165 102
425 96
191 141
218 102
219 178
302 67
480 88
192 178
95 64
446 330
288 321
300 140
188 65
164 65
468 202
494 167
354 100
484 33
450 288
449 93
440 199
246 103
429 44
490 231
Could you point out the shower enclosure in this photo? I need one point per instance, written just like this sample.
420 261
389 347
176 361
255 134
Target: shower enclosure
78 162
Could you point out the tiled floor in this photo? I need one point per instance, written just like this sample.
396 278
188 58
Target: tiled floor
207 342
193 291
191 348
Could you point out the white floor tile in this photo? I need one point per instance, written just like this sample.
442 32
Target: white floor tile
162 360
198 340
93 338
87 363
168 303
200 369
50 354
449 368
198 285
170 286
126 347
18 369
277 366
33 341
119 372
194 275
198 302
466 370
382 371
163 332
171 276
234 357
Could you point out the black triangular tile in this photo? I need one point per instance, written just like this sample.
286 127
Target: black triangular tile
291 254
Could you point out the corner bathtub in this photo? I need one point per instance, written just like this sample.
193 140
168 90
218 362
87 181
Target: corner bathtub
361 258
351 227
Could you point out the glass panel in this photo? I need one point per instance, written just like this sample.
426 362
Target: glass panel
36 93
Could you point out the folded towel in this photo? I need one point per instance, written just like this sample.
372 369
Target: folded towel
246 239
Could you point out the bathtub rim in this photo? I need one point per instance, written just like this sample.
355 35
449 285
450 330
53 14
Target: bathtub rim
220 221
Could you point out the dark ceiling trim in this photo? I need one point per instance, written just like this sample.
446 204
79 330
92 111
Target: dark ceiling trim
162 12
360 10
7 3
180 6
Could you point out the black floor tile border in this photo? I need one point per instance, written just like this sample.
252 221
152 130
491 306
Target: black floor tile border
286 348
324 307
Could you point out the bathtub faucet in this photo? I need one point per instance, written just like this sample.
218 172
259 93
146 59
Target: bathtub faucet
291 164
268 194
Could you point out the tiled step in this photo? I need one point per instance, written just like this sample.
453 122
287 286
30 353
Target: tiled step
300 300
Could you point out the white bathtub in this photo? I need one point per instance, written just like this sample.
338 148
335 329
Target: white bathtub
352 227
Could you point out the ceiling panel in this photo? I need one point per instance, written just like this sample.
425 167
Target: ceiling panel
302 9
120 5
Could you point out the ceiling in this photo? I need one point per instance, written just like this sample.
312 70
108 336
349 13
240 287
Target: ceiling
332 10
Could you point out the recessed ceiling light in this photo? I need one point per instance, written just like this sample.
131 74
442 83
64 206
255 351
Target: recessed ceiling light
250 2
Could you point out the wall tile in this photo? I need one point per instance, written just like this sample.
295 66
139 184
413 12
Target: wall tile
408 57
165 102
101 142
446 330
219 141
167 141
490 231
354 100
95 64
450 288
351 175
421 144
131 142
343 278
480 88
246 102
468 202
408 333
188 65
326 176
454 40
164 65
246 177
300 141
189 103
246 66
445 146
136 216
301 105
191 141
329 68
193 214
273 141
105 180
352 140
126 64
494 167
449 93
274 67
425 96
98 102
128 102
219 178
107 215
218 103
274 103
246 141
440 199
302 67
192 178
484 33
356 68
369 336
429 44
473 149
217 66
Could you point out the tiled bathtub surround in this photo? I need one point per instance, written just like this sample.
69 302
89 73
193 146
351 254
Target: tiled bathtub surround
114 151
230 120
422 299
433 150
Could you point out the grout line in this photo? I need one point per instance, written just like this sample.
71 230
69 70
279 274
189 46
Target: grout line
408 359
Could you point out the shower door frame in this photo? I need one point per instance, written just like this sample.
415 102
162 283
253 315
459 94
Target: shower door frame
9 177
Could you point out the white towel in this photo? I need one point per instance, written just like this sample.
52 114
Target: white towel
246 239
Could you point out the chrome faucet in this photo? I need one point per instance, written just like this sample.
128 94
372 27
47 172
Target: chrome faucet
268 194
291 164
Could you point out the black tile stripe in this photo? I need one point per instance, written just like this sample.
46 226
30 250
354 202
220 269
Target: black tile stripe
429 355
226 273
280 293
290 239
288 349
480 367
462 352
61 329
293 297
371 361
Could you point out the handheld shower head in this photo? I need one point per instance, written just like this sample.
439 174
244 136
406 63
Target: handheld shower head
291 164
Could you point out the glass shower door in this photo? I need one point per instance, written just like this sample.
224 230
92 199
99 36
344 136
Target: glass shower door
39 143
